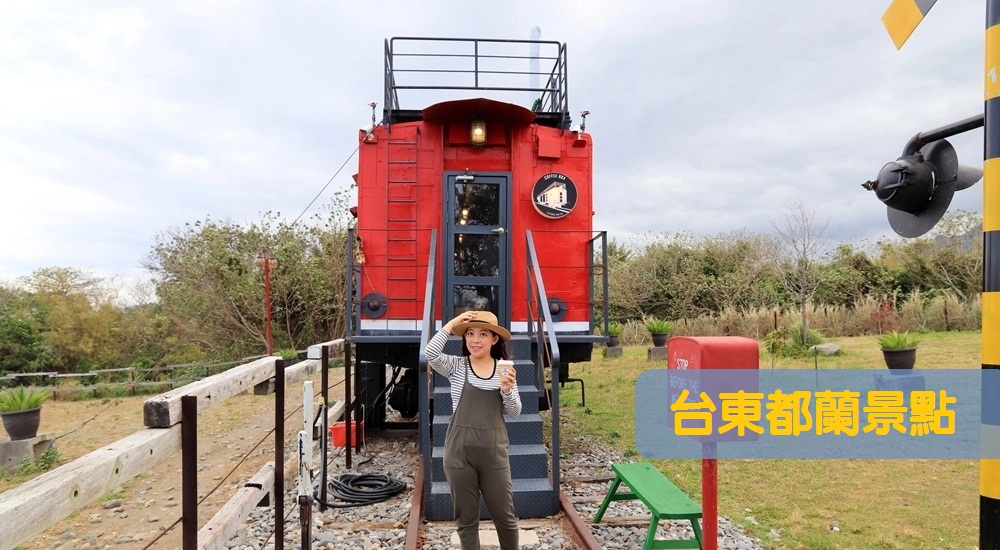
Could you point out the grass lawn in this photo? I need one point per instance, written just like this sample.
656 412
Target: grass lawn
811 504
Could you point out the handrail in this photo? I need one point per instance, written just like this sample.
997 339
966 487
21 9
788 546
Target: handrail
425 336
603 237
391 98
554 360
475 70
349 308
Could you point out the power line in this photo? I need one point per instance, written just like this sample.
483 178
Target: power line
334 176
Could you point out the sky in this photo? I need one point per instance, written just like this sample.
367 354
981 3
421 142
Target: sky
122 120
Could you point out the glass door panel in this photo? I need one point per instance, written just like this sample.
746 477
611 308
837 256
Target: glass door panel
476 244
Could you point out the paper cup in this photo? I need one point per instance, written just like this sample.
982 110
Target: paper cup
505 366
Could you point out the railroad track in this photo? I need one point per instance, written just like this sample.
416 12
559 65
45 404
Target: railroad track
398 522
569 521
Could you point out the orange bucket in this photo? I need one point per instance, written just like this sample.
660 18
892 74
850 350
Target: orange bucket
338 432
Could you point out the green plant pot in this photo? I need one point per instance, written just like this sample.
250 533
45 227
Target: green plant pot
613 341
22 424
659 340
900 360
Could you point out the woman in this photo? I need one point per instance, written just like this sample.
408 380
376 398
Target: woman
476 444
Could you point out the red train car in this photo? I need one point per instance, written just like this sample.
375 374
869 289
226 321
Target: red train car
474 203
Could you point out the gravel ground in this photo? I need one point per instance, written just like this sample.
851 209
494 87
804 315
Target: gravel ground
383 525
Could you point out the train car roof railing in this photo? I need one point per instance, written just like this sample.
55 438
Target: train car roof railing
424 67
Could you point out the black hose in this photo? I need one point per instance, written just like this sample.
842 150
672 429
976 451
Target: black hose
362 489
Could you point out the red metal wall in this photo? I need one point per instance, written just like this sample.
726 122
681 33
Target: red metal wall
399 202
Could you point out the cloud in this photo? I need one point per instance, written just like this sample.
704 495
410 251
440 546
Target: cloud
122 120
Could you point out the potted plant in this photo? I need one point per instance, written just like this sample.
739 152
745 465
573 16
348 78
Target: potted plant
21 411
614 333
659 329
899 349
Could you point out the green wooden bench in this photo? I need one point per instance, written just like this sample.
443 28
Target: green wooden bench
662 497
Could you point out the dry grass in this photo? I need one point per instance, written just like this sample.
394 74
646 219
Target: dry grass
879 504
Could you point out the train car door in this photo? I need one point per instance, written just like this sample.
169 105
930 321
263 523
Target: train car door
477 242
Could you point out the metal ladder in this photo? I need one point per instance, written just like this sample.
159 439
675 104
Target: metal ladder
402 153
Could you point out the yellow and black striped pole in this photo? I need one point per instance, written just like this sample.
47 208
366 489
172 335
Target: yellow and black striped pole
989 469
900 20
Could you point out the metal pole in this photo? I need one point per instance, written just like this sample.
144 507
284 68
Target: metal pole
189 471
989 469
324 432
279 454
347 401
955 128
267 302
265 261
604 279
305 491
709 497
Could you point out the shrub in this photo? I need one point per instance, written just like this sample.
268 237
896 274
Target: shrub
22 398
795 347
795 332
615 329
658 326
633 333
774 341
897 340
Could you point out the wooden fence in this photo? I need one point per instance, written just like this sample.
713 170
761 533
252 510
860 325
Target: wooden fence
36 505
120 381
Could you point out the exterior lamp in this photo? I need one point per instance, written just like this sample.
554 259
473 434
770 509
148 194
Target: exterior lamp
477 132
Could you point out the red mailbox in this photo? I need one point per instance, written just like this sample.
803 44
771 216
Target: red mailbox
706 367
693 364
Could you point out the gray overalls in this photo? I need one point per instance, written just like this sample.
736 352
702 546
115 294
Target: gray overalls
475 460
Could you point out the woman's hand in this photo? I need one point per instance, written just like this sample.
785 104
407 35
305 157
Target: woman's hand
508 378
461 318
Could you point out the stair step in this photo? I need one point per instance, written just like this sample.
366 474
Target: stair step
525 429
533 498
526 370
526 461
529 399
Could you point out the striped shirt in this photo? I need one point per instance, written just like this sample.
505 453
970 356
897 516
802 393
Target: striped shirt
454 367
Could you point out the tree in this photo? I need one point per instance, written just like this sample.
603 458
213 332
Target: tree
62 281
738 269
850 275
210 286
630 284
76 317
677 275
948 258
673 265
804 241
22 348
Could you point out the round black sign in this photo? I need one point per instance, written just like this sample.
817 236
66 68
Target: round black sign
554 195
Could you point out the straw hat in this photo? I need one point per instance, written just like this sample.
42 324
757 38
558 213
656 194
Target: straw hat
484 319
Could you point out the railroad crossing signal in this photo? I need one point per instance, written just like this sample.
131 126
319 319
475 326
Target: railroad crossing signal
917 188
903 16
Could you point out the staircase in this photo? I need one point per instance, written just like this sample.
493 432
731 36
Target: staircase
534 496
